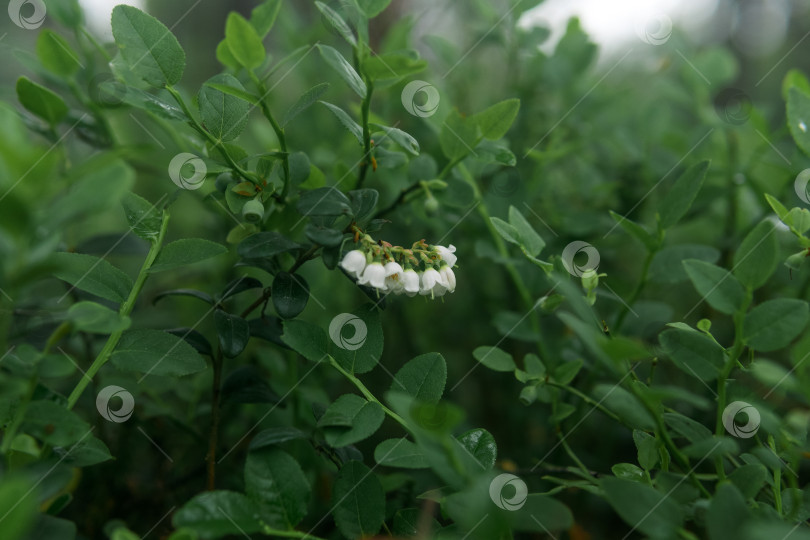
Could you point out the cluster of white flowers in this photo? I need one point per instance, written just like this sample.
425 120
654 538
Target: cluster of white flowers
391 276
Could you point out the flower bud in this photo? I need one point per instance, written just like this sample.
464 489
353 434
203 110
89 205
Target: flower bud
253 211
431 206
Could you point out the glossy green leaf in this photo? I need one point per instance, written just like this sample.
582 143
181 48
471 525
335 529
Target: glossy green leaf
275 482
185 252
244 42
148 47
481 446
358 501
156 353
363 349
290 294
93 275
233 333
306 339
679 199
40 101
798 118
773 324
350 419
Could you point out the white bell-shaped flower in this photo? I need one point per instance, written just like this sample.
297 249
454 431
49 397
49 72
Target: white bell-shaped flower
410 282
373 276
447 254
393 277
354 262
431 280
448 277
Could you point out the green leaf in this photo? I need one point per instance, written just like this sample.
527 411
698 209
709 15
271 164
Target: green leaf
393 66
686 427
404 140
725 509
775 323
93 275
358 501
798 118
185 252
305 101
148 47
243 41
480 444
214 514
290 294
626 406
679 199
372 8
264 16
306 339
194 293
353 127
459 136
276 435
363 202
337 23
40 101
226 57
56 54
235 91
265 244
344 69
710 447
494 358
637 231
360 355
693 352
410 523
350 419
96 319
156 353
247 384
777 206
18 509
541 514
749 479
422 377
757 256
642 507
143 217
667 264
54 424
495 121
146 101
275 482
507 231
566 371
647 447
400 453
717 286
88 451
529 238
233 333
628 471
224 115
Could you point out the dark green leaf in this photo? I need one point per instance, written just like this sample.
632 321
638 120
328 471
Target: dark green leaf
459 136
305 101
529 238
247 385
276 435
725 509
642 507
774 323
306 339
358 501
625 405
350 419
224 115
265 244
276 483
363 202
185 252
404 140
693 352
480 445
635 230
541 514
290 294
686 427
233 333
54 424
194 293
40 101
96 319
757 256
679 199
143 217
214 514
798 118
353 127
93 275
400 453
149 48
494 358
422 377
357 339
325 201
717 286
344 69
156 353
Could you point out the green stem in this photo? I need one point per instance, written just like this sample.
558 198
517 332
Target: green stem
366 392
645 270
125 310
279 131
586 399
213 435
366 134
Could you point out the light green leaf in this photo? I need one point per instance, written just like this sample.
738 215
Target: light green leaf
422 377
372 8
529 239
358 501
17 506
337 22
244 42
93 275
636 230
798 118
717 286
275 482
625 405
393 66
679 199
353 127
757 256
40 101
185 252
344 69
264 16
404 140
56 54
400 453
494 358
148 47
156 353
350 419
97 319
305 101
495 121
459 136
506 230
775 323
223 114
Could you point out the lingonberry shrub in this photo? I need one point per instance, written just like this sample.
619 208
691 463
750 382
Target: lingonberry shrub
232 305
